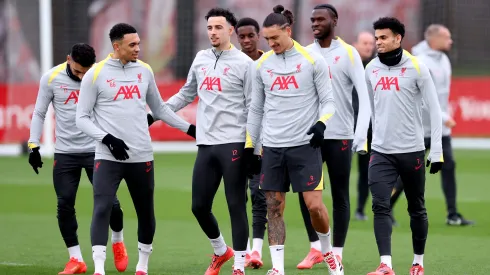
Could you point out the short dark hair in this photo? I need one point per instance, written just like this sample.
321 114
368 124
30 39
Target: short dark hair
279 17
227 14
118 31
328 7
83 54
247 21
391 23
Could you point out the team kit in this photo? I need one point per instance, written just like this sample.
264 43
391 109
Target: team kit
265 121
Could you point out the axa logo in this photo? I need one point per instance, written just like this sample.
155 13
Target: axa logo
127 92
73 96
387 82
283 82
211 83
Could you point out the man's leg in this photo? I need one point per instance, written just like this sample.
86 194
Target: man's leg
315 255
206 179
338 157
412 173
395 195
140 180
362 182
116 221
107 177
382 177
259 220
66 178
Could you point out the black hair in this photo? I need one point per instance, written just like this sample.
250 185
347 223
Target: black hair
328 7
230 17
279 17
247 21
118 31
391 23
83 54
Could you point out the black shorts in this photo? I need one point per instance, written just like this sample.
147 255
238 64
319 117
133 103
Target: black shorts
300 166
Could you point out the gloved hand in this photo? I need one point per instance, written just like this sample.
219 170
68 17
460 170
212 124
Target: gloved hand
116 146
192 131
35 159
435 167
317 130
253 163
150 119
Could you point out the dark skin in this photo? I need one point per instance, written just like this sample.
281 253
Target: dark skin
323 23
248 39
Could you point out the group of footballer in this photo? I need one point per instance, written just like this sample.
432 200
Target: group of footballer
265 121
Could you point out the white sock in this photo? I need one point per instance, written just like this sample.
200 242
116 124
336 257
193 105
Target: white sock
144 252
316 245
98 254
277 255
325 241
338 251
257 245
248 246
75 252
219 245
240 260
386 260
117 237
418 259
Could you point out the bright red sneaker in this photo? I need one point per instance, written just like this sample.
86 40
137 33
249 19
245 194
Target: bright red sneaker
314 257
417 270
382 269
140 273
238 272
218 261
120 256
74 267
255 260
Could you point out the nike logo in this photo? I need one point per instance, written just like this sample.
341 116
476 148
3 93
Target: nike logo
375 71
418 167
345 148
148 170
279 249
234 159
310 183
110 80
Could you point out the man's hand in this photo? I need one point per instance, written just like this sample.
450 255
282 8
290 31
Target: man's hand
450 123
116 146
435 167
35 159
253 163
150 119
317 130
192 131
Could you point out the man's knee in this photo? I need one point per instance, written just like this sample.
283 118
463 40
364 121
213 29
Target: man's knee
416 208
65 208
314 202
381 206
102 206
275 204
200 208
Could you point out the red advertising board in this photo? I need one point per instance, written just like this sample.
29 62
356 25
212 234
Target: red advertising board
469 105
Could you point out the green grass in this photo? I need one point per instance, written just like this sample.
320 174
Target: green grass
30 236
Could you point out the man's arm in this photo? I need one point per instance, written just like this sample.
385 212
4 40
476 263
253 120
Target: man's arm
356 73
323 85
187 93
161 110
44 98
256 111
429 94
370 94
86 102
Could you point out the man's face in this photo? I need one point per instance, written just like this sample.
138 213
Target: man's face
365 45
128 48
219 31
386 40
76 69
277 38
322 23
248 38
442 40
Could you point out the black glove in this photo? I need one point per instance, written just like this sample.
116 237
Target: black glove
35 159
317 130
435 167
116 146
150 119
253 163
192 131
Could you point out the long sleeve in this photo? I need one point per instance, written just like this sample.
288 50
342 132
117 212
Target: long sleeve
256 111
187 93
44 98
371 96
429 94
323 85
161 110
443 99
356 72
86 102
